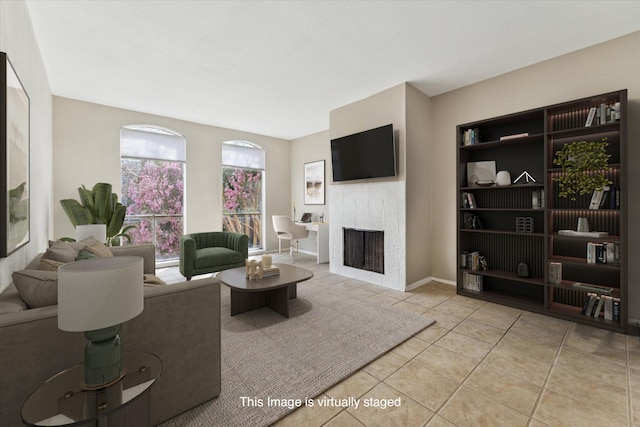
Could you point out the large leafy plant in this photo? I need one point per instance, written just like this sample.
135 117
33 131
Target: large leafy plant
583 164
99 206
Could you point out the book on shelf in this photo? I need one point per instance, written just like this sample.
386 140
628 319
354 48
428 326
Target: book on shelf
598 307
590 303
471 137
590 116
605 290
537 199
608 308
517 135
472 282
599 198
616 310
470 260
603 253
471 200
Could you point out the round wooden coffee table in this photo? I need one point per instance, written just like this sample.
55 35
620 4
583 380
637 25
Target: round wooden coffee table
273 292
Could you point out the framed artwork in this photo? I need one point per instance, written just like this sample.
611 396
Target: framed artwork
14 156
314 183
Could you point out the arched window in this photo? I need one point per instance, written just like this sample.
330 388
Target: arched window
153 163
242 185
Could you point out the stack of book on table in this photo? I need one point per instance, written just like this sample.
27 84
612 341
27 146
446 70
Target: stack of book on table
270 271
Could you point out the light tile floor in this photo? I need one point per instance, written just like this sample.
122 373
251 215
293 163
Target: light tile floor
483 364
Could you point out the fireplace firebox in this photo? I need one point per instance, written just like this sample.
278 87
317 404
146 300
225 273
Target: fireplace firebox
364 249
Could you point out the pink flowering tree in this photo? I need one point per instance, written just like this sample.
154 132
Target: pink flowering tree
152 187
242 203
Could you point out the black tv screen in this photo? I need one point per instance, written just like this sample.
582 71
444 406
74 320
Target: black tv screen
368 154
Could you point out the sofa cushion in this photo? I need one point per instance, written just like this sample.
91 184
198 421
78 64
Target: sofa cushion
208 257
38 288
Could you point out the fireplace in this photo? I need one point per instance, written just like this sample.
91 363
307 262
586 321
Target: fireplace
364 249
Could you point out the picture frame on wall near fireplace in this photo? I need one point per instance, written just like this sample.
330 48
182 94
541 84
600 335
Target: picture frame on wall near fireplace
314 183
14 156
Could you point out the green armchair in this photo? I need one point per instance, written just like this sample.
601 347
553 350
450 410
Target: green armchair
208 252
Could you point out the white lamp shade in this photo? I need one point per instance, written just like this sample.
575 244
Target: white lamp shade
98 231
99 293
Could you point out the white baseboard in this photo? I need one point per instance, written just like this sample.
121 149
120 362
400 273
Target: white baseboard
423 282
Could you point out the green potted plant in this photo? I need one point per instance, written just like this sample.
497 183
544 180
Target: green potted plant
99 206
583 164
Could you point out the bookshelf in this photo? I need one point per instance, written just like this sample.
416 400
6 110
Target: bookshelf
518 229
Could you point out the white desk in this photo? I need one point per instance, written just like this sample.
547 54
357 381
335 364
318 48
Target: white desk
322 239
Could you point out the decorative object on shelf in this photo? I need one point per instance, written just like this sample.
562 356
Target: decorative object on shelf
314 183
96 296
485 183
503 178
483 263
254 269
14 141
583 164
583 225
471 221
99 206
525 177
555 272
321 217
523 269
524 224
480 171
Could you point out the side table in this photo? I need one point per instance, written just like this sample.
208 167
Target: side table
61 401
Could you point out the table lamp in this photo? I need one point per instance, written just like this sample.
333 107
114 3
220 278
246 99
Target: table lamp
97 231
96 296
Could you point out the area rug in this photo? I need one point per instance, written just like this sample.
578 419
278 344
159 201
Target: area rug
336 327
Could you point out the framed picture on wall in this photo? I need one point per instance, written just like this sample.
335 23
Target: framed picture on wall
314 183
14 156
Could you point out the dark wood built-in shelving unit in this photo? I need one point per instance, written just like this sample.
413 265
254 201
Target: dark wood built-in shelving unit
543 131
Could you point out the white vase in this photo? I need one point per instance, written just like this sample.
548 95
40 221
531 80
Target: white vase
503 178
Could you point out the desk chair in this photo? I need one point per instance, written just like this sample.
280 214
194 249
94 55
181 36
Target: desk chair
286 229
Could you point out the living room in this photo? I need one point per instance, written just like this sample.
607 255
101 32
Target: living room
75 142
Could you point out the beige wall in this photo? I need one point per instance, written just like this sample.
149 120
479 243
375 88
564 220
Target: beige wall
18 41
310 148
598 69
86 141
418 186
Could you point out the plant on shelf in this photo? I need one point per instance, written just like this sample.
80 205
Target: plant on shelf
99 206
583 164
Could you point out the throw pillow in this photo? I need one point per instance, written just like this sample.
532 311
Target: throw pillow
66 251
37 288
84 254
49 264
99 249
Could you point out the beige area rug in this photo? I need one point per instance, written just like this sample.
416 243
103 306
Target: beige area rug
335 329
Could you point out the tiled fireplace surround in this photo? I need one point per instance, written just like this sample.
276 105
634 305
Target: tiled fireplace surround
378 206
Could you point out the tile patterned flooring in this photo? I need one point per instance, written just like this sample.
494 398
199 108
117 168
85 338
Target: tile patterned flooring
483 364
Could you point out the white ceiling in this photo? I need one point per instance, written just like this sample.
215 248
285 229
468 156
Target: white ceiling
278 67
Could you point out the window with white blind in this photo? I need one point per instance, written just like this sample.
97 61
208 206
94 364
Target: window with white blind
242 189
153 163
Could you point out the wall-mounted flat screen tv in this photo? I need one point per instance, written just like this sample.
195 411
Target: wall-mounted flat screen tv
368 154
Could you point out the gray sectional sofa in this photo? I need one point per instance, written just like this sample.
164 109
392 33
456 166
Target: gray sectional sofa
180 324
